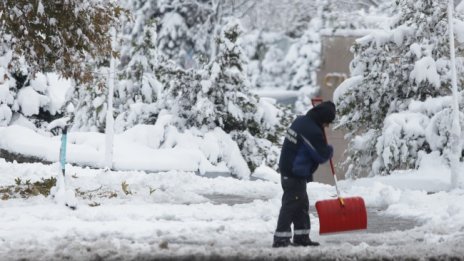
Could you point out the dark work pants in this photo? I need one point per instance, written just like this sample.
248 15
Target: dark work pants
295 209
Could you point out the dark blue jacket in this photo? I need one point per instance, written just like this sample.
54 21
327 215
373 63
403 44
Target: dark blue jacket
305 147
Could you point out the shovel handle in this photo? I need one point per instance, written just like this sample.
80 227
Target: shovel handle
315 101
332 168
331 161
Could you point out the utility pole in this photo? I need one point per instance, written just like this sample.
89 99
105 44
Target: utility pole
109 131
455 138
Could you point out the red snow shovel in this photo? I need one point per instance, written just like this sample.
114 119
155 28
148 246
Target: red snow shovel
341 214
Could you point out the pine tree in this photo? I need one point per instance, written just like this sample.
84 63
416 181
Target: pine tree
186 27
274 69
303 59
90 102
138 87
220 96
390 70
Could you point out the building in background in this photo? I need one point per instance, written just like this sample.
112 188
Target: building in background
334 69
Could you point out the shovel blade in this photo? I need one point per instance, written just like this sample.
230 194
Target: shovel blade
337 217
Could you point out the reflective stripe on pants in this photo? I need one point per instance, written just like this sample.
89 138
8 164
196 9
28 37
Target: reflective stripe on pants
295 208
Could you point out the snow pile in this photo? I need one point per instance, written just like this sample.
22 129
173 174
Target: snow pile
64 195
145 147
265 173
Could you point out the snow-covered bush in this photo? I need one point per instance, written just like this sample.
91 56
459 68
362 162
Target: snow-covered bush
423 128
439 132
28 101
173 30
391 69
403 137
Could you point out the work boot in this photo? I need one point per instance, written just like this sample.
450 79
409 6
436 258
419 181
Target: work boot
304 241
281 242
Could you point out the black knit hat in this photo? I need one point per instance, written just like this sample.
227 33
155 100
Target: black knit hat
322 113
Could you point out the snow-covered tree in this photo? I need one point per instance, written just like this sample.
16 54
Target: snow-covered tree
220 97
266 53
286 16
392 69
57 35
354 14
48 36
302 61
185 29
277 61
138 88
158 31
7 84
90 104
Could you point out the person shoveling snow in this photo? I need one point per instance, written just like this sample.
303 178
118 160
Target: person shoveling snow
303 150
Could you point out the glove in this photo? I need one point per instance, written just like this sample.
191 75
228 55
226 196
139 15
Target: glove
331 149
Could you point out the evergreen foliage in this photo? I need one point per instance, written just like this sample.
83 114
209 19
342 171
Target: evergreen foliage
158 31
391 70
303 60
138 88
57 35
220 96
90 102
185 29
48 36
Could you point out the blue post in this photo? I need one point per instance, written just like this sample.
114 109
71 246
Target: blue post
64 138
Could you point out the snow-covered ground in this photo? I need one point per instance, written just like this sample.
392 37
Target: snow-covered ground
132 215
